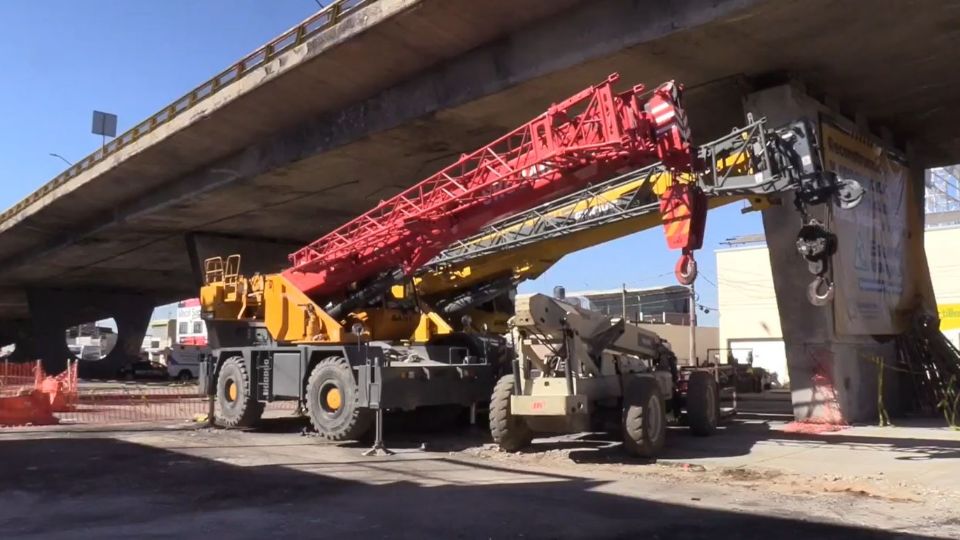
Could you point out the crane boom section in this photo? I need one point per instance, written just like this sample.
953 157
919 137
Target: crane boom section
588 138
752 162
528 243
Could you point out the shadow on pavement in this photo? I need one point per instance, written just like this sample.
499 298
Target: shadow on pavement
101 488
737 437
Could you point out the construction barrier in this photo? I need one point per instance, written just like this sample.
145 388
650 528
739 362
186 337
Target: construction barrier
131 402
30 397
29 408
15 376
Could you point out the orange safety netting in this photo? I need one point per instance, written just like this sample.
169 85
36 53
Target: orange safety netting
28 396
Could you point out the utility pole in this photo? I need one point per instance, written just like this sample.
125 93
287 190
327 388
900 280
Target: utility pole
693 326
623 302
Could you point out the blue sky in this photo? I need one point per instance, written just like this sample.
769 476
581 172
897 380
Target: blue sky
62 59
643 260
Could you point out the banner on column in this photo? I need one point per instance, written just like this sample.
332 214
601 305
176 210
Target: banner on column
869 265
949 316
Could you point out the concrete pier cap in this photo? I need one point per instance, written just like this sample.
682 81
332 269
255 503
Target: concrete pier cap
835 352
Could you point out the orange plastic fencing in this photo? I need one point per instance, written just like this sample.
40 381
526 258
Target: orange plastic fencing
29 408
22 398
15 377
28 396
107 402
129 402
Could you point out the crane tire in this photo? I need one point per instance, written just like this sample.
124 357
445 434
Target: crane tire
333 401
239 408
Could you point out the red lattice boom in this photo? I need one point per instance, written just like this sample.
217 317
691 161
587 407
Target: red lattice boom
587 138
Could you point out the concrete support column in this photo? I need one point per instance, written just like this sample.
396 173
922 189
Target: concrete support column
52 311
834 377
132 320
47 336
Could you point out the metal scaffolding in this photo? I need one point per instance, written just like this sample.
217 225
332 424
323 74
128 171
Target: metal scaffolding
943 189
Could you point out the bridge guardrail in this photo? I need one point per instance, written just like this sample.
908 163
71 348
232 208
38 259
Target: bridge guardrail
325 18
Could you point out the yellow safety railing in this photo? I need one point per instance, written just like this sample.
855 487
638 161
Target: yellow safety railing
320 21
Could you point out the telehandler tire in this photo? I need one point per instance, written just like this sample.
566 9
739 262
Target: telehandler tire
333 401
644 417
703 404
510 432
238 406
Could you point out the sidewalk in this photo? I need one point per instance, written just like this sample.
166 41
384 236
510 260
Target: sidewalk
921 453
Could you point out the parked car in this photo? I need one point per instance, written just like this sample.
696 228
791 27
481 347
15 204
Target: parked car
183 361
143 369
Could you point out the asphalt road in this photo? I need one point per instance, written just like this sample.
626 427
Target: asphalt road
190 483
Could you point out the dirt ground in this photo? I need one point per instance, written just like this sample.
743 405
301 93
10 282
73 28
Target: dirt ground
749 481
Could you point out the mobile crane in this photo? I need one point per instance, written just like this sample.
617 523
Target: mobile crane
343 332
377 315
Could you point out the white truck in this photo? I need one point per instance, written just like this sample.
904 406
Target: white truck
183 361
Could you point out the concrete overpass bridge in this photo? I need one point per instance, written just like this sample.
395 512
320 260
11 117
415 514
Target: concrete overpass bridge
368 96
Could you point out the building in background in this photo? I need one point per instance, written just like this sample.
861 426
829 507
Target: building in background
191 329
665 305
943 192
749 319
663 310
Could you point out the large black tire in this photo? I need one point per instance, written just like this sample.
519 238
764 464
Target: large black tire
644 417
238 406
333 402
703 404
510 432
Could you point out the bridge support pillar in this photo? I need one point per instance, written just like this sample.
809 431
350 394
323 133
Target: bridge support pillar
835 352
52 311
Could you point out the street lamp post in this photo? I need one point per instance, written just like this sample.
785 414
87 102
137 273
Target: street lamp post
65 160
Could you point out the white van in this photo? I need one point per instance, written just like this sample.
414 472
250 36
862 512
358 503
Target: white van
183 361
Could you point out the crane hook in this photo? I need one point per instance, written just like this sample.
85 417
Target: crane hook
817 294
686 269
